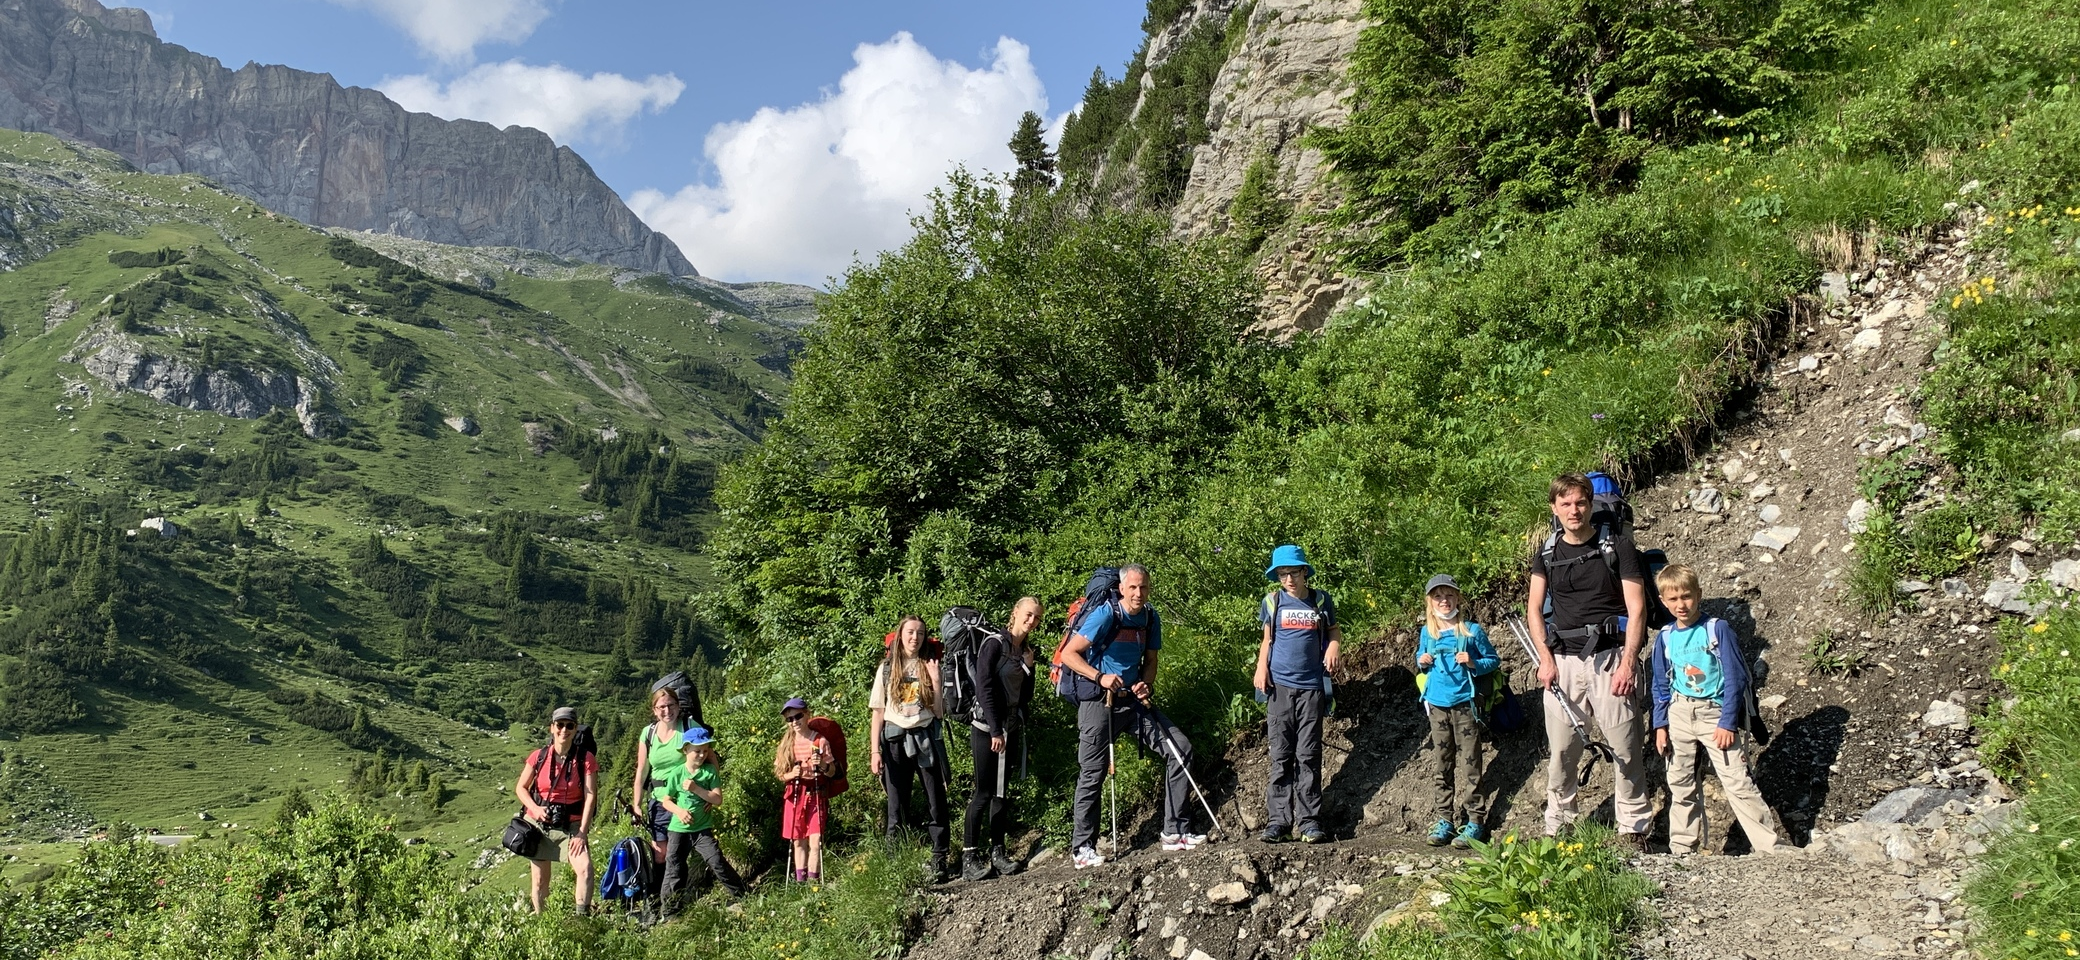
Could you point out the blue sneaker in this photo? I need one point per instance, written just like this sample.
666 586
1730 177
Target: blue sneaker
1469 835
1441 834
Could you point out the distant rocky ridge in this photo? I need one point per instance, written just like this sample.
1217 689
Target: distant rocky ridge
302 145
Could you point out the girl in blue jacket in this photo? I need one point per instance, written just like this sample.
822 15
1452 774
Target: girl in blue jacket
1450 652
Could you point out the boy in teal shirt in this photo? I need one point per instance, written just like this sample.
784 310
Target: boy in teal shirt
1700 683
689 794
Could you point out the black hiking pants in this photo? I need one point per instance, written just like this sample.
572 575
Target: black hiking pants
901 771
677 848
989 813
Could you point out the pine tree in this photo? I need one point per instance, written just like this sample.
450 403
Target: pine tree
1036 163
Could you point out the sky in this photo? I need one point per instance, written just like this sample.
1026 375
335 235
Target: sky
771 141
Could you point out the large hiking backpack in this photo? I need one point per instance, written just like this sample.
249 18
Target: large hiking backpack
1611 514
834 734
626 879
682 688
1101 588
961 632
582 745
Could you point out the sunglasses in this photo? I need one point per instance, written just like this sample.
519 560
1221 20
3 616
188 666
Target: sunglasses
791 717
564 724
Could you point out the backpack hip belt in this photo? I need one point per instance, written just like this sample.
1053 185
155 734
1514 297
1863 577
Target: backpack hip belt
1596 631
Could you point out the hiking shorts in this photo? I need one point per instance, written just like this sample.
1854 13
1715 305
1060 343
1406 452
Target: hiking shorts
555 845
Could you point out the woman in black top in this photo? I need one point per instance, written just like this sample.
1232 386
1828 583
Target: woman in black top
1003 686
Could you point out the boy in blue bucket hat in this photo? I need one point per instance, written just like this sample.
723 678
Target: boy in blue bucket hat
1302 644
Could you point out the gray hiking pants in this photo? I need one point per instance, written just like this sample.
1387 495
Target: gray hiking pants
1295 731
1096 729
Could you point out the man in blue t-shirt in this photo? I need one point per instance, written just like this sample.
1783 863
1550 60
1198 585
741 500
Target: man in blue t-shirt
1113 652
1302 643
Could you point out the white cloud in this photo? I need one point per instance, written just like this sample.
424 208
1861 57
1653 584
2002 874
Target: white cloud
452 29
796 192
565 104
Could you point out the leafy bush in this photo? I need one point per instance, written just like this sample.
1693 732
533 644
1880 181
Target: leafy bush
1550 898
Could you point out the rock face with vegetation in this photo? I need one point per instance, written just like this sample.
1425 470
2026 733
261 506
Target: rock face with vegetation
305 147
1257 178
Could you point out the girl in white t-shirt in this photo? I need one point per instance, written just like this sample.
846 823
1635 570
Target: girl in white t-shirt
905 740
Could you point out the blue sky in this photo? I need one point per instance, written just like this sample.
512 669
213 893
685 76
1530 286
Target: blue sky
865 104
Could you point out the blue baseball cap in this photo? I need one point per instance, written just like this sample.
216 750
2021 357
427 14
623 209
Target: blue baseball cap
795 703
695 737
1289 555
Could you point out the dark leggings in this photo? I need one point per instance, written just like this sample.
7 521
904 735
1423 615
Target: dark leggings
989 815
899 774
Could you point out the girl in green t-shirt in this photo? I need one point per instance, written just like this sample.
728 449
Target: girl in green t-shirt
690 794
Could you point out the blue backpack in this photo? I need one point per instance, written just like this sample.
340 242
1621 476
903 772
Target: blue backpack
626 879
1101 589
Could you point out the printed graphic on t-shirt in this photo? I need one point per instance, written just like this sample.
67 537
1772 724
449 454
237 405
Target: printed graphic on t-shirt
1298 618
907 693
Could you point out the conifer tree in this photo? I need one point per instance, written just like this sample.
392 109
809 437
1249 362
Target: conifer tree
1036 162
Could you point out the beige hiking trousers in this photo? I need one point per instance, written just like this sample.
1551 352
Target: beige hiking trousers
1690 723
1586 683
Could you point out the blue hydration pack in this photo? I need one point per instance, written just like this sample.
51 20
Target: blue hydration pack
626 878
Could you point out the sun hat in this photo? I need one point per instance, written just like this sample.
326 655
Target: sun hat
795 703
1289 555
1441 580
695 737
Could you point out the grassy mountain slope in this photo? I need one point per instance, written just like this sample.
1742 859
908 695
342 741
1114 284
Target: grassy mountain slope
411 509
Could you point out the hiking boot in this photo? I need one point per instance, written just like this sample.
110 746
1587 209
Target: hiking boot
1274 835
1469 835
1314 835
1441 834
1182 841
935 871
975 866
1000 860
1087 857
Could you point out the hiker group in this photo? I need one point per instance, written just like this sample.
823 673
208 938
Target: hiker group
1610 649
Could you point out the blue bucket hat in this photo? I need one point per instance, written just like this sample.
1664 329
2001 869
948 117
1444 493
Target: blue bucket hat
695 737
1289 555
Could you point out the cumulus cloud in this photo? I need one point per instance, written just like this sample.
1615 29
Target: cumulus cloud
796 192
452 29
565 104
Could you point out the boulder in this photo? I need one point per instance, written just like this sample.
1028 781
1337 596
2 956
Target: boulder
1231 893
165 528
1943 713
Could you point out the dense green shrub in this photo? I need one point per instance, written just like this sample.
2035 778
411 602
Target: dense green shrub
1472 110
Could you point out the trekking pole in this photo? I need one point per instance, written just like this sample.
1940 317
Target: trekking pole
1111 771
1177 757
1597 749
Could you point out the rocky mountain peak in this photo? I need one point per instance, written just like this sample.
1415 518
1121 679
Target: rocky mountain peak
127 19
302 145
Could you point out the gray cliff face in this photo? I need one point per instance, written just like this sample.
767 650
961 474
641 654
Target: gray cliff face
249 394
1285 77
302 145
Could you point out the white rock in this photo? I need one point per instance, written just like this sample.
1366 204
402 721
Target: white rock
1866 341
1322 905
1770 513
1772 701
2064 574
1200 955
1733 469
1231 892
1707 500
1810 363
1104 949
166 528
1762 491
1943 713
1858 517
1774 539
1834 286
1911 587
2018 569
1956 589
1896 417
2023 547
2070 436
2005 595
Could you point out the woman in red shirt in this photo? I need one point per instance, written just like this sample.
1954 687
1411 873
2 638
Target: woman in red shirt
558 789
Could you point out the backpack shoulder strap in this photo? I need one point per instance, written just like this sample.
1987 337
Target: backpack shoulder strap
1608 546
534 770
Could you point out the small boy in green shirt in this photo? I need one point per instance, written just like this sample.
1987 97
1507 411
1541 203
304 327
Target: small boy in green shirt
689 793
